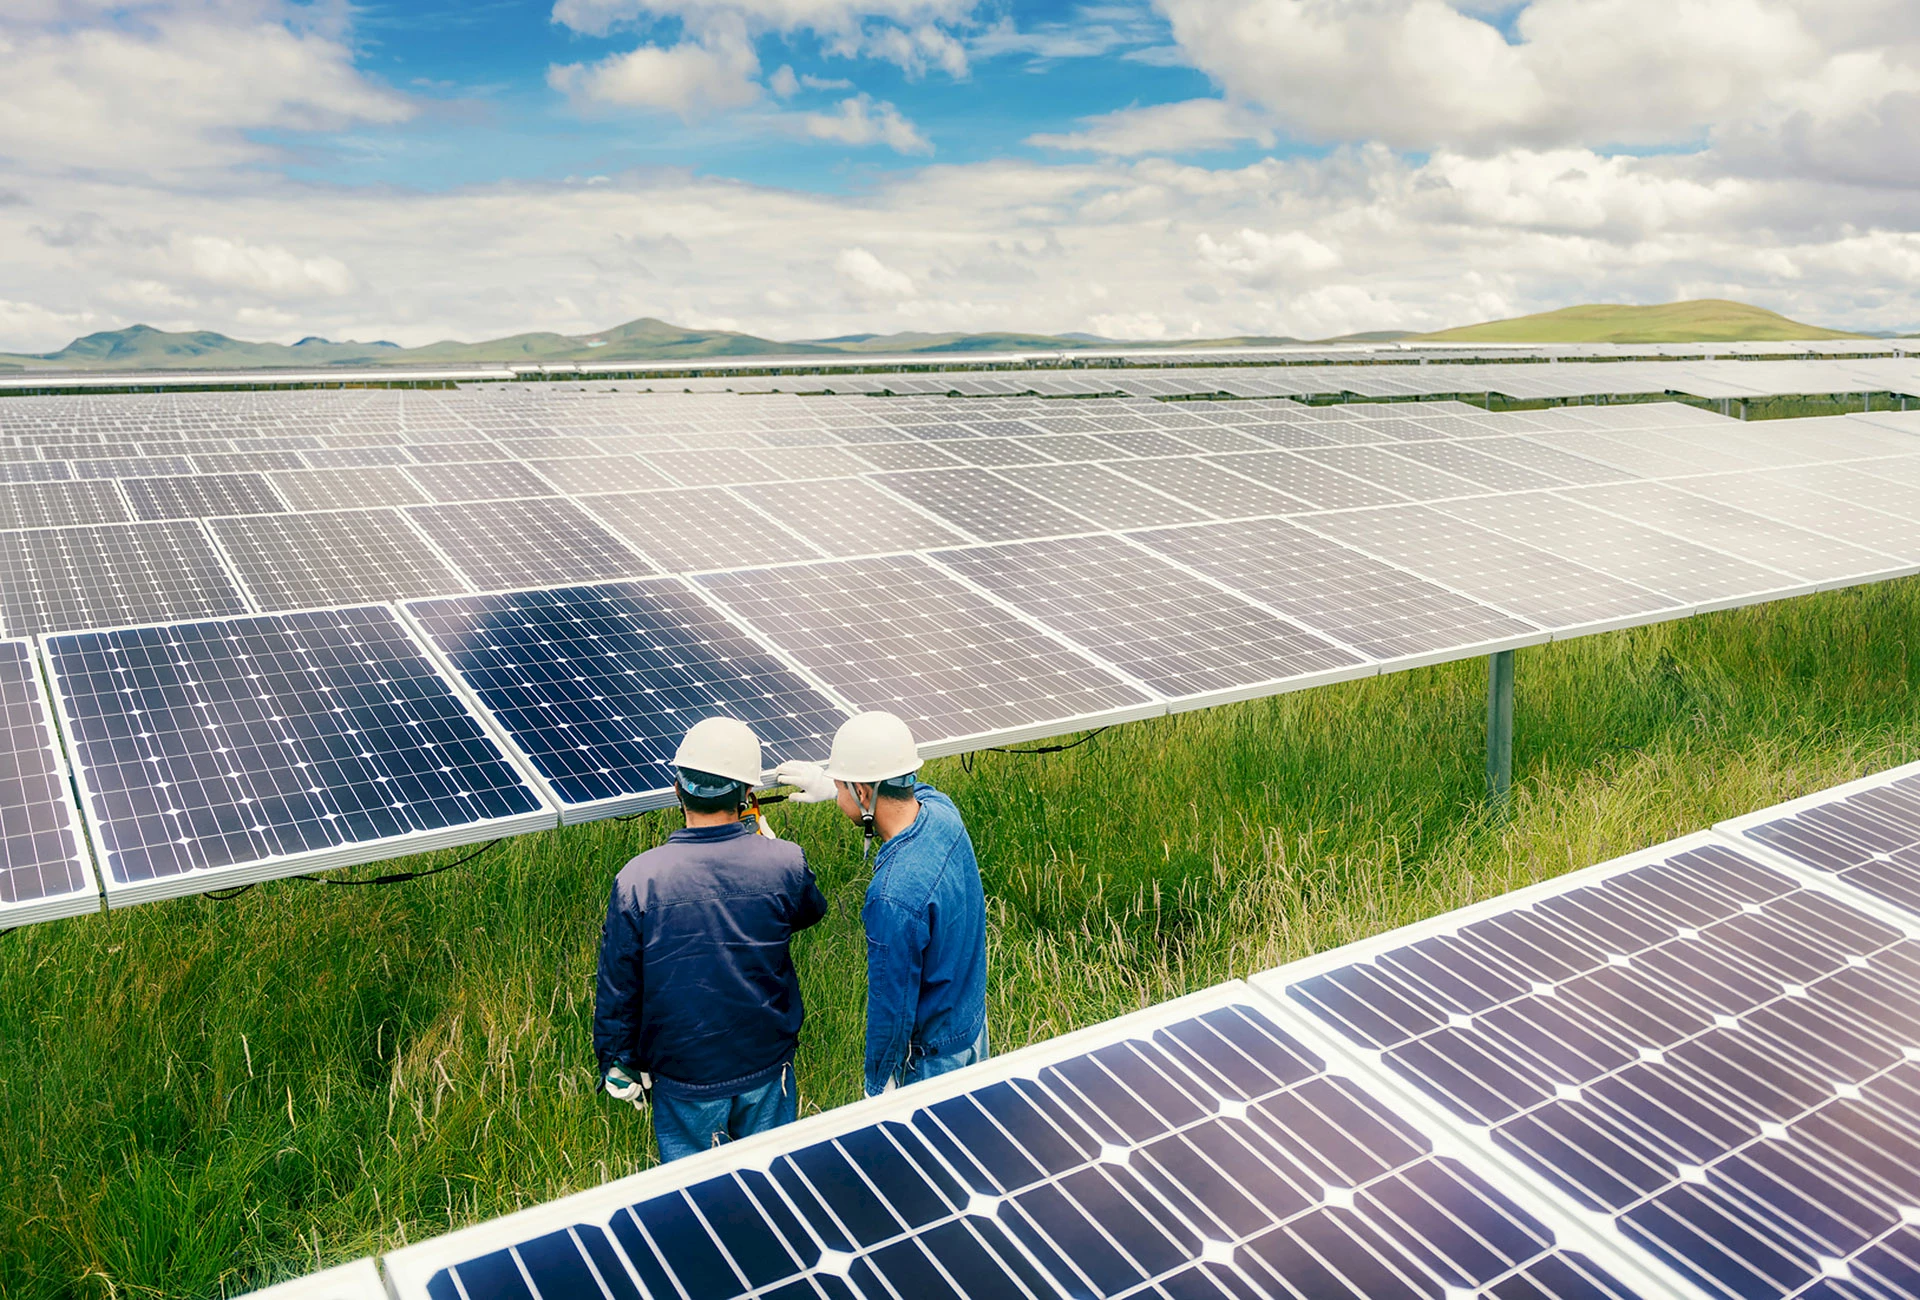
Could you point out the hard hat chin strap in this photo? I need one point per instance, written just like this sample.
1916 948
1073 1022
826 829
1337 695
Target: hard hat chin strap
866 820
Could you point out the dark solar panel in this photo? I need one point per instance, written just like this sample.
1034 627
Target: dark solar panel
1721 1061
1866 833
596 685
44 870
347 488
200 496
536 543
899 634
242 749
1191 1152
60 504
53 579
1151 620
345 557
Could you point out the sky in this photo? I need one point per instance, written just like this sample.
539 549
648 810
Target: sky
414 170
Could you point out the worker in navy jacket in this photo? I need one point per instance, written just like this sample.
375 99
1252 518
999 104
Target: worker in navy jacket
698 1003
925 912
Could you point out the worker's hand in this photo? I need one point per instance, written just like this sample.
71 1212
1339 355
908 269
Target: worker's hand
810 779
622 1086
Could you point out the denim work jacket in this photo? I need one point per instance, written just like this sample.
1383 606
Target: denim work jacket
696 985
926 922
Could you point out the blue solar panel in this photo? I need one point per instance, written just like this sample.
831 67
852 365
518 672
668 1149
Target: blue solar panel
44 870
1865 833
596 685
234 750
1192 1151
1721 1060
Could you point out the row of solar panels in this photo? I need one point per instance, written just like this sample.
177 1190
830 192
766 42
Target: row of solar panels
1690 1073
217 751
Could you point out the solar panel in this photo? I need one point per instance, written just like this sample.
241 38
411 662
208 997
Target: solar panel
992 451
1381 611
1658 561
588 474
1069 448
986 506
1865 833
44 869
1219 492
246 462
1183 639
1464 461
36 471
1869 490
1737 532
596 685
1146 442
1720 1061
347 489
1190 1151
1408 478
1104 496
684 530
1778 494
447 453
898 634
53 579
224 752
345 557
849 516
1539 587
535 543
1529 454
200 496
355 457
479 481
1321 487
60 503
903 455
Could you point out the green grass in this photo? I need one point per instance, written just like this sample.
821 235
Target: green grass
200 1097
1707 320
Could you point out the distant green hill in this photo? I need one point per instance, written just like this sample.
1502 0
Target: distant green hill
1707 320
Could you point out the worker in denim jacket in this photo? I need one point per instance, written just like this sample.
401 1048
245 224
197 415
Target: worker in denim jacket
925 913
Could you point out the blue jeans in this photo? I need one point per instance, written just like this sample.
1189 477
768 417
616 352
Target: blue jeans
684 1126
921 1068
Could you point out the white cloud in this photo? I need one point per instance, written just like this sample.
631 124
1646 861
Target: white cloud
1179 127
180 89
870 279
265 269
861 120
692 79
1262 259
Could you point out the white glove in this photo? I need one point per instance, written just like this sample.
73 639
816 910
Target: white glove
811 779
622 1086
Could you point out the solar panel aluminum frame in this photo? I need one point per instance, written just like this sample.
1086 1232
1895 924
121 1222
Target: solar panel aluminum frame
411 1268
80 902
1429 1114
359 1280
1735 831
576 814
352 854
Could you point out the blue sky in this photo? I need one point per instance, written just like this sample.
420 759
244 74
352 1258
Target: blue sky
1146 169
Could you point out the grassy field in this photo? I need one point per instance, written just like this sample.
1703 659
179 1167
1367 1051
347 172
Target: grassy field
1711 320
200 1097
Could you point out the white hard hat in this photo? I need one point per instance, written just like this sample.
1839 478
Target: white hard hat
872 747
721 747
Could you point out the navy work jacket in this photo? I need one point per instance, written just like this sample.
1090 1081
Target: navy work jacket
926 922
696 986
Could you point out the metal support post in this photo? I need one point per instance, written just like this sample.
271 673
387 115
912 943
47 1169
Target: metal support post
1499 726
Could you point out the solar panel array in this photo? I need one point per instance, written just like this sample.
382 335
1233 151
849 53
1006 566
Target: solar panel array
994 569
1691 1072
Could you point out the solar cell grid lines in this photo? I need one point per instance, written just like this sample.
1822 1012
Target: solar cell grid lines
1739 532
343 557
201 496
1383 612
1713 1055
246 462
1411 479
1539 587
849 516
1865 834
35 471
1145 442
596 685
1103 495
448 453
1779 495
53 579
685 530
1529 454
1220 492
1320 486
243 749
993 451
1067 447
346 489
1489 472
985 505
44 869
590 474
479 481
539 542
58 503
1858 487
1658 561
1192 1150
1153 621
899 634
355 457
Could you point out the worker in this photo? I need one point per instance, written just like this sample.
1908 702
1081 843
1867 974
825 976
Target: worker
697 1002
925 912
